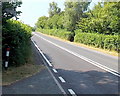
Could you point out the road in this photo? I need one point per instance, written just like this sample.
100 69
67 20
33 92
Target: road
79 70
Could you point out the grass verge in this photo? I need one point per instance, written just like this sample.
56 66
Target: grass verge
113 53
14 74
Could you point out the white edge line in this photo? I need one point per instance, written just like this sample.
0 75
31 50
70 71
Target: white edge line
55 70
72 92
62 80
84 58
62 90
42 54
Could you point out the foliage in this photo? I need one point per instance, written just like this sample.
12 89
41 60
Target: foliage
110 42
53 10
56 32
16 35
73 12
54 22
41 23
9 10
103 19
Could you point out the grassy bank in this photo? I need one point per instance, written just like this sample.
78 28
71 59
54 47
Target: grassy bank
112 52
15 74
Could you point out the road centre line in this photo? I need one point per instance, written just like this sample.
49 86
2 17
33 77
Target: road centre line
62 80
72 92
62 90
84 58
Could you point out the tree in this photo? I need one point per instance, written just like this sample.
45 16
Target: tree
41 23
53 9
73 12
60 21
9 10
104 19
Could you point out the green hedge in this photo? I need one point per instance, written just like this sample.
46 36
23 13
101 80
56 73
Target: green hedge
56 32
110 42
16 35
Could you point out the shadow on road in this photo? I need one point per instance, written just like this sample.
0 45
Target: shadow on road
91 82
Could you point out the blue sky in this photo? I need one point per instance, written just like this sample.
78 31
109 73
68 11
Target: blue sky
33 9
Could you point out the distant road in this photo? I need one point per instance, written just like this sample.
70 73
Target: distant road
80 70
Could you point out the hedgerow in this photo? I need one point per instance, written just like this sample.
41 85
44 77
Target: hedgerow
16 35
110 42
56 32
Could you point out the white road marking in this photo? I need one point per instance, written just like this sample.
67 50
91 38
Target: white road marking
84 58
55 70
43 55
61 79
72 92
62 90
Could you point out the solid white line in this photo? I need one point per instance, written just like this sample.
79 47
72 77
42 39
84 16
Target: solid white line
61 79
43 55
72 92
84 58
62 90
55 70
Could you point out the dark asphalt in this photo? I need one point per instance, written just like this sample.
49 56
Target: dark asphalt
81 76
41 83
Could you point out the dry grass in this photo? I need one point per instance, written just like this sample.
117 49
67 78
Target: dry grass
14 74
113 53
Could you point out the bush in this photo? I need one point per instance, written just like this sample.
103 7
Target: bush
56 32
16 35
110 42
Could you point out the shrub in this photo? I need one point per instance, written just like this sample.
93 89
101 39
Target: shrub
110 42
56 32
16 35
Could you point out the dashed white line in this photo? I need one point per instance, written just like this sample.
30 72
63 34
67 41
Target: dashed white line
55 70
72 92
84 58
62 80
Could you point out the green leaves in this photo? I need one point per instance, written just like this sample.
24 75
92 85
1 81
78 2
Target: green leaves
9 10
41 23
56 32
103 19
73 13
53 10
109 42
16 35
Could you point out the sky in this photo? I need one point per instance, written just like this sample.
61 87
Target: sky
33 9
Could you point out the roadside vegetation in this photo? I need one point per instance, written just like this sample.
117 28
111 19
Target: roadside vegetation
98 27
16 35
58 33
